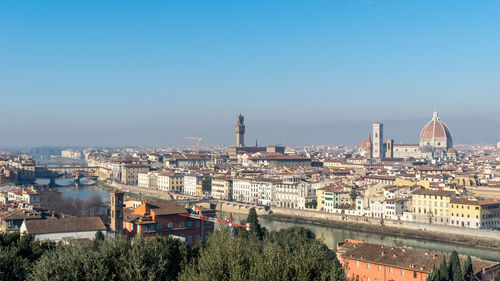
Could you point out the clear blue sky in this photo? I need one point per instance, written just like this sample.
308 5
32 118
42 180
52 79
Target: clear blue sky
150 72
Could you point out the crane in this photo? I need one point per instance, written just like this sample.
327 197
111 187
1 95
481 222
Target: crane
198 216
197 139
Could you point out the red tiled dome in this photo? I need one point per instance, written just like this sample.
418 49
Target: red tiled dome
435 129
365 144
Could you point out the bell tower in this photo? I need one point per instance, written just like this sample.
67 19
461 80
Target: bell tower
116 198
378 140
240 131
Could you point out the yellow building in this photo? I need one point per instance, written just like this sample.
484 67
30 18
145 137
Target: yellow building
432 206
473 213
331 197
403 182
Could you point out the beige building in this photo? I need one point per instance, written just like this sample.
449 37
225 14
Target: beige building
222 188
171 182
130 173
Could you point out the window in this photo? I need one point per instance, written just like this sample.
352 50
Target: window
390 270
190 224
414 274
368 266
402 272
181 224
170 225
159 226
357 263
379 268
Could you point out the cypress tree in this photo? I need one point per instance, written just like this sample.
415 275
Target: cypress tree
254 221
467 272
454 271
434 276
443 271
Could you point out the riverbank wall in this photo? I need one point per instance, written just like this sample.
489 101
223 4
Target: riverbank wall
240 208
479 237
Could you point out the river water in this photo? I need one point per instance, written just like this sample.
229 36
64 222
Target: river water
83 191
330 236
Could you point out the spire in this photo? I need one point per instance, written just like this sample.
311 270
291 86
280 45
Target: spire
256 143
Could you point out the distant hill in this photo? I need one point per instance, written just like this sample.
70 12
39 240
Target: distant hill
464 130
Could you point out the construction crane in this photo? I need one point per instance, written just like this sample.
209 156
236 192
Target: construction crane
197 139
199 216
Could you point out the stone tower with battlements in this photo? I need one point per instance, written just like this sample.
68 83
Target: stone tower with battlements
240 131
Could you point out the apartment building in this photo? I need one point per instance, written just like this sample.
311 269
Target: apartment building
222 188
432 205
130 173
473 213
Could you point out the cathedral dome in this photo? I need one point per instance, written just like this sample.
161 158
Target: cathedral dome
436 134
365 144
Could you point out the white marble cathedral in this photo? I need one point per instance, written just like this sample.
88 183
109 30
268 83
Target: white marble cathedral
435 143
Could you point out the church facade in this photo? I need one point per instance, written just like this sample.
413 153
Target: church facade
435 143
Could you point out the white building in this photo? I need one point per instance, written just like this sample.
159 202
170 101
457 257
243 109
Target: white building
286 195
148 180
70 228
70 153
243 191
190 183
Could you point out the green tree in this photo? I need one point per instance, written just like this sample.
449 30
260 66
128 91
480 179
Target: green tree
443 271
467 272
253 220
353 194
434 276
454 271
293 254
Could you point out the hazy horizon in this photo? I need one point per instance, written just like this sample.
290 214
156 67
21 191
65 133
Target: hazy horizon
151 73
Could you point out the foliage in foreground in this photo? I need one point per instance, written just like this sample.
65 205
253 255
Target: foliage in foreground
291 254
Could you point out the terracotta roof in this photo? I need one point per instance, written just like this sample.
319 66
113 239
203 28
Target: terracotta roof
466 201
21 214
72 224
400 257
435 129
433 192
166 208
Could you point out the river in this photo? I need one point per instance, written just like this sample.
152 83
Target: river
331 236
83 191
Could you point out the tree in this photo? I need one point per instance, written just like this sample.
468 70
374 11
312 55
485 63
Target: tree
443 271
434 276
253 220
353 194
293 254
454 271
467 272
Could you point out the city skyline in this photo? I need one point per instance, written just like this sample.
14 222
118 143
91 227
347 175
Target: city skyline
104 74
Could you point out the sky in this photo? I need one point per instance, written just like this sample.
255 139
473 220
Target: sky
152 72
